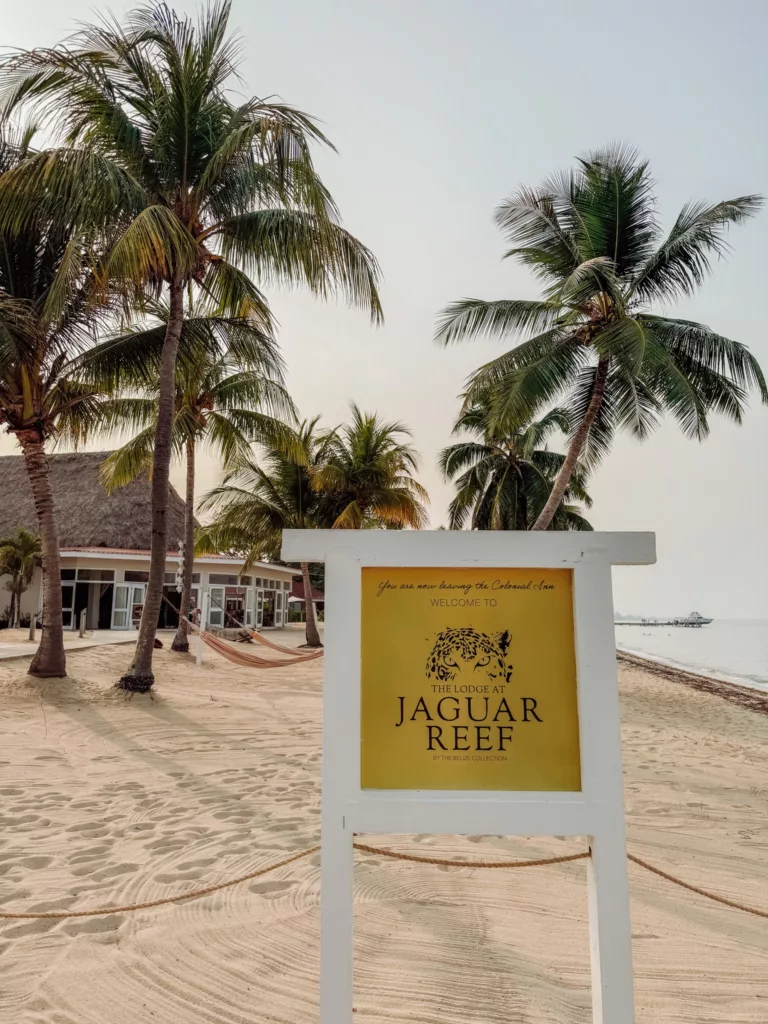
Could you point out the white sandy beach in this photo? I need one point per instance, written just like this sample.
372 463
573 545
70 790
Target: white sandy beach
105 800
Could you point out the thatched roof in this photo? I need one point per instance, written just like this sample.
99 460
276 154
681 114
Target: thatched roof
87 517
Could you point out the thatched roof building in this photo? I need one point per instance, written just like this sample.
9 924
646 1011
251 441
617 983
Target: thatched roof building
86 515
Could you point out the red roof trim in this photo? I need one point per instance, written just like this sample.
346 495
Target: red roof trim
297 590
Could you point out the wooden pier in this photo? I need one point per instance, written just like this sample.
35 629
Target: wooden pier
692 621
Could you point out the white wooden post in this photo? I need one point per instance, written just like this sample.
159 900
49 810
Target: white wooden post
596 811
337 853
203 623
608 888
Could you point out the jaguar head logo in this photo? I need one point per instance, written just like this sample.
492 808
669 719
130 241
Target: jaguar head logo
466 655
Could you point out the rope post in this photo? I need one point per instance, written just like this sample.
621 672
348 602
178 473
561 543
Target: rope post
203 626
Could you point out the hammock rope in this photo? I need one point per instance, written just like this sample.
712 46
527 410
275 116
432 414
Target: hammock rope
294 653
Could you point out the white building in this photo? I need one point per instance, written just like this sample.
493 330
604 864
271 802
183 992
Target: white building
105 542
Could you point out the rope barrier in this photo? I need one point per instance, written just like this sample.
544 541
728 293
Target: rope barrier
363 847
472 863
694 888
168 899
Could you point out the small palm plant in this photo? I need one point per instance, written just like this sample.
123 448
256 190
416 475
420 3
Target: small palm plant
221 403
368 469
20 556
593 342
193 185
504 474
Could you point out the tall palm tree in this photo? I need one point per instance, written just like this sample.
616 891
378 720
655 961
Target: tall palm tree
218 405
260 499
47 320
505 473
368 469
20 555
592 343
203 188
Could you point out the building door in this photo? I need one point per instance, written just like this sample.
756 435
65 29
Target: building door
128 605
259 609
279 608
137 603
68 605
216 606
120 606
249 605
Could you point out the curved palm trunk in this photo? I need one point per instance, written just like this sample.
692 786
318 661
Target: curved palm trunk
181 640
563 478
49 660
12 612
139 677
313 636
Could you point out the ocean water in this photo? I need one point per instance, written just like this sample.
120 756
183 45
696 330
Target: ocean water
732 649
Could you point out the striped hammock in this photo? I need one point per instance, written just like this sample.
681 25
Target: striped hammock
238 656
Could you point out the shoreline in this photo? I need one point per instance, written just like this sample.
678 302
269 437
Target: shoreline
734 693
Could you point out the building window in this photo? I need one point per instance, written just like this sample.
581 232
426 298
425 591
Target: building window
195 577
68 574
246 581
286 585
95 575
135 576
221 579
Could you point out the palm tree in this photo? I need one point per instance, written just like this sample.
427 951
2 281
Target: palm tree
592 343
20 555
200 188
217 404
259 500
505 473
368 469
47 319
354 477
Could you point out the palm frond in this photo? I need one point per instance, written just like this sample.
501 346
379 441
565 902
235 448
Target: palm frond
291 247
476 318
683 261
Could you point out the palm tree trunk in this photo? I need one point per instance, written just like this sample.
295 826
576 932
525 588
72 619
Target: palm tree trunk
563 478
12 612
17 605
181 640
139 677
313 636
49 660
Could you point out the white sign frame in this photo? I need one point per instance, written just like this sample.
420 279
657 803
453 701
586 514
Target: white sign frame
597 812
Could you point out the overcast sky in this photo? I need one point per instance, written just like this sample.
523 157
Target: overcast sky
441 108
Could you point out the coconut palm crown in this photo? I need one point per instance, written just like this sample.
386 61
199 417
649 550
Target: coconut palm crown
594 343
504 473
368 466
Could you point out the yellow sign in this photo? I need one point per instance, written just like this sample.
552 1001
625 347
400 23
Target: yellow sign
468 680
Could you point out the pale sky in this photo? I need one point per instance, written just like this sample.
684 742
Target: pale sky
441 109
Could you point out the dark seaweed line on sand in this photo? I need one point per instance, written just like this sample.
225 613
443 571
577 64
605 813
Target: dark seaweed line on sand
741 696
